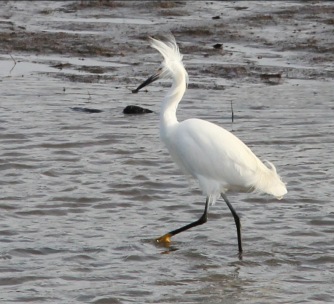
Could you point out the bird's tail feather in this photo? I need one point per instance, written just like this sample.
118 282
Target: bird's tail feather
270 182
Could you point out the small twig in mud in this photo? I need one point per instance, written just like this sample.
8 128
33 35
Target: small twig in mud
232 114
89 96
14 63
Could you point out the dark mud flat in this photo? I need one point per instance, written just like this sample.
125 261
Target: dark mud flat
293 34
84 194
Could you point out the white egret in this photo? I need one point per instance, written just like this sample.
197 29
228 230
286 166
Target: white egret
219 160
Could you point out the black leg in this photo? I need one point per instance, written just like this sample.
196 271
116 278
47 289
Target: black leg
203 219
236 219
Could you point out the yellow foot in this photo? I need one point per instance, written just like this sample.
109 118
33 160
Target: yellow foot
165 239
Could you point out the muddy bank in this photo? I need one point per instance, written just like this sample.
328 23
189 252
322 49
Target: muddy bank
256 38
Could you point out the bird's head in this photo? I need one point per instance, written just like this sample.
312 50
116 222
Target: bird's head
172 65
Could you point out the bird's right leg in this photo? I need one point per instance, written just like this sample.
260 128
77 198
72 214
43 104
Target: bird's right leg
236 220
166 238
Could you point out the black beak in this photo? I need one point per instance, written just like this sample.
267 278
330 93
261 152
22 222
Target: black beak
147 82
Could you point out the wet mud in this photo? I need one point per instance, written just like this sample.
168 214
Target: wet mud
295 33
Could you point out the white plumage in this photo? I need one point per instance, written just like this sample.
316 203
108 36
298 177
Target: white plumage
218 159
212 155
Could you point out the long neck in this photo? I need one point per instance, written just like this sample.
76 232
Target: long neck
171 101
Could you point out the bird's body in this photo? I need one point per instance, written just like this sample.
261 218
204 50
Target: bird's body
219 160
212 155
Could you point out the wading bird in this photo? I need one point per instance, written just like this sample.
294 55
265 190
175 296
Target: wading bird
219 160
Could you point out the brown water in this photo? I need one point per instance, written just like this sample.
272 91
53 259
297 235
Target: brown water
84 195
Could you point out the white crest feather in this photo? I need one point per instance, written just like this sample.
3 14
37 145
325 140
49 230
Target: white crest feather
171 54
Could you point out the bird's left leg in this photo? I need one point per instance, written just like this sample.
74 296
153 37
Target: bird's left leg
236 219
165 239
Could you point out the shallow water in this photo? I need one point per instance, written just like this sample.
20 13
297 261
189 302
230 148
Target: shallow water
84 195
